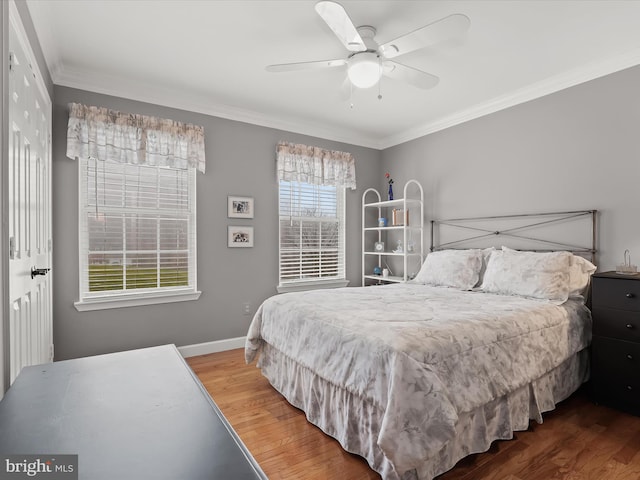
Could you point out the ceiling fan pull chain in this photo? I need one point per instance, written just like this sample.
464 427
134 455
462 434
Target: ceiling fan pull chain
380 80
351 95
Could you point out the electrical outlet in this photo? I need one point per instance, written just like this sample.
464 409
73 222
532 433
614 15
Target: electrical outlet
246 308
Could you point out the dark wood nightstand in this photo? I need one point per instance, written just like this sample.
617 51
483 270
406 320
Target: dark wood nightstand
615 349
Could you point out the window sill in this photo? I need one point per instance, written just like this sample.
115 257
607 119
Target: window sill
134 300
311 285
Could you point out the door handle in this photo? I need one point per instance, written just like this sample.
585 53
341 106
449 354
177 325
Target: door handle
39 271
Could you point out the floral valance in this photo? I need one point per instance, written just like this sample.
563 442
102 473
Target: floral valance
316 166
103 134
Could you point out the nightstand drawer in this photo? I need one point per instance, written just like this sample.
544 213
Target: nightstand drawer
616 358
615 374
621 324
616 394
616 293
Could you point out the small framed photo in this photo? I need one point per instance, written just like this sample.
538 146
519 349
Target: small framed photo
239 236
400 217
239 207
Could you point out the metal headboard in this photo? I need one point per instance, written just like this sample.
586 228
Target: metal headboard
479 228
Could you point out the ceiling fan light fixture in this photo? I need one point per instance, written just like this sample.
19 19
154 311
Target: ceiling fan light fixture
364 69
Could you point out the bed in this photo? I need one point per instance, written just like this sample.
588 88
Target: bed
413 377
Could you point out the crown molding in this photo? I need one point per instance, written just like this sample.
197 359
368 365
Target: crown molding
522 95
46 38
115 86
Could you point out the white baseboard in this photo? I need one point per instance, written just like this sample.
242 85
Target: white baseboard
211 347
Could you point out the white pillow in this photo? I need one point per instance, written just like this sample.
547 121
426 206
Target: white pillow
451 268
529 274
580 273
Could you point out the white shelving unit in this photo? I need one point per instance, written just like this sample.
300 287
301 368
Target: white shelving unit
408 235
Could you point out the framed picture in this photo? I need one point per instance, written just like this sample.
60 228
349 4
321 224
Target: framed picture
239 207
239 236
400 217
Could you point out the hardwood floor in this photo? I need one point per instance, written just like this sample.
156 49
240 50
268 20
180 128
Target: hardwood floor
577 441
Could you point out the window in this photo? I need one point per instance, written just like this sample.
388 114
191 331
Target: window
137 234
311 235
311 200
137 206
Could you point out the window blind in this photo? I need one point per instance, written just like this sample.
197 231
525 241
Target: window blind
311 232
137 229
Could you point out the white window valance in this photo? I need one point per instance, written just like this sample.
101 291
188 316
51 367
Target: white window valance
316 166
104 134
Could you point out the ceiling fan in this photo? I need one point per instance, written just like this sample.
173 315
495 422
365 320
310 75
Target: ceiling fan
368 60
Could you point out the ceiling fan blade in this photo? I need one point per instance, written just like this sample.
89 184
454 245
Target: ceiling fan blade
436 32
290 67
410 75
337 19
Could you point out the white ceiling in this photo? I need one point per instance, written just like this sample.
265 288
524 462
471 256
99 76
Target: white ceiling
209 56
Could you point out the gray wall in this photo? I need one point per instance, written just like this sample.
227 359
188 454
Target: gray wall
240 161
576 149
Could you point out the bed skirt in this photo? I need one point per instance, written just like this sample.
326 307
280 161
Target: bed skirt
355 421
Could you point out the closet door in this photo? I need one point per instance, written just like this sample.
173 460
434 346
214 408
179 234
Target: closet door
29 172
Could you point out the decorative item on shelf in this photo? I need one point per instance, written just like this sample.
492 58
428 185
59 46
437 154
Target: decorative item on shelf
378 246
410 246
385 273
399 248
390 181
377 271
627 268
382 222
400 217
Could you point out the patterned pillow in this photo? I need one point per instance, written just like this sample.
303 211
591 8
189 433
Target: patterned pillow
579 275
529 274
451 268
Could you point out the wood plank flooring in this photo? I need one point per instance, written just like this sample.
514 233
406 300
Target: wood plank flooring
577 441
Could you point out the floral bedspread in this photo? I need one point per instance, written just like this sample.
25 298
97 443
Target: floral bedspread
421 354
